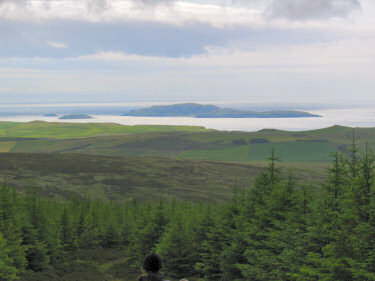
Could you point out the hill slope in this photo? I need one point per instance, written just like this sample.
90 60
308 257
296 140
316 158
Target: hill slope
124 178
182 143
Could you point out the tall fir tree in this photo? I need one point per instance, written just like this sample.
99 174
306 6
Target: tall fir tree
176 247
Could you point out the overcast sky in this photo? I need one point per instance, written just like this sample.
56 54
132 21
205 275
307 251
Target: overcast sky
207 50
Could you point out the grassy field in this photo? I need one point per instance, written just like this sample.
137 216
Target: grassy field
41 129
125 178
180 142
292 151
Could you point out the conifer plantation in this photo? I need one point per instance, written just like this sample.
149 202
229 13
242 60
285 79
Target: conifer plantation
279 229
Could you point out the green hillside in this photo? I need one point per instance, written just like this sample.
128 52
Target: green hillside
121 179
180 142
291 151
41 129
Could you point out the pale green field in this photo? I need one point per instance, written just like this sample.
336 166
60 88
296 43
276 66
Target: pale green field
286 151
40 129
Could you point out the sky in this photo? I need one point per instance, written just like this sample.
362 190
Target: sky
239 51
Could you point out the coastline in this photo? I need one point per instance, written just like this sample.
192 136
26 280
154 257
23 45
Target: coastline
364 117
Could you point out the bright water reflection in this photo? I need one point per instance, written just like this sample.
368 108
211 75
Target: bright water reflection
346 117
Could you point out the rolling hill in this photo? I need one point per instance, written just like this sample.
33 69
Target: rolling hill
115 162
180 142
124 178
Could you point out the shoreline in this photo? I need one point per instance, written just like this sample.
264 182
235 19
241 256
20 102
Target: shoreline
350 118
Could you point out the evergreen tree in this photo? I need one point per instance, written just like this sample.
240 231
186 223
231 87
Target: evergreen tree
10 224
354 159
8 271
209 265
90 225
147 233
359 221
67 232
177 249
37 234
232 240
110 229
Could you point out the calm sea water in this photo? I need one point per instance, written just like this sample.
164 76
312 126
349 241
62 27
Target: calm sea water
359 117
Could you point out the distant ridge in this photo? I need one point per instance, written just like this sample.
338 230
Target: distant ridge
211 111
76 116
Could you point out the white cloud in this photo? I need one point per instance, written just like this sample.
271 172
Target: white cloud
122 57
312 9
57 45
182 12
342 69
354 51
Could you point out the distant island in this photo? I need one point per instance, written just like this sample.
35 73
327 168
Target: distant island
50 115
76 116
211 111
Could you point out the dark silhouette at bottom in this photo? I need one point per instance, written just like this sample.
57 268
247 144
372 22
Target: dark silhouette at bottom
152 265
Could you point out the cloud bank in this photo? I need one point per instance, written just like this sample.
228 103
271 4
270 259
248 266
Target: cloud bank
217 13
312 9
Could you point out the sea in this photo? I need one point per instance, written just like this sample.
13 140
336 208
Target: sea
352 117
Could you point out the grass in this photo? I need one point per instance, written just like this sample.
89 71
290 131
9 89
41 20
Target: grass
237 153
94 264
286 151
121 179
6 146
179 142
124 178
294 151
41 129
